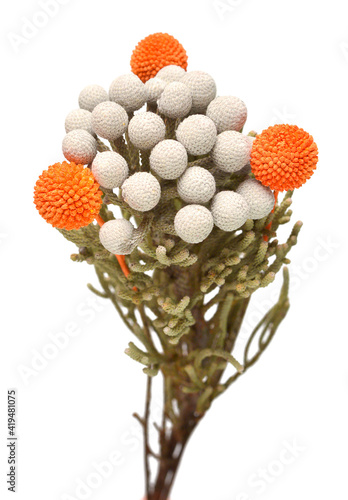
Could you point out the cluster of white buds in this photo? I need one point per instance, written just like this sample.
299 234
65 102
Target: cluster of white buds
187 138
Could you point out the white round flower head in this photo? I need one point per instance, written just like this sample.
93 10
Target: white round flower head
197 133
115 235
109 120
193 223
141 191
128 91
203 89
171 73
91 96
168 159
196 185
146 130
231 151
79 147
154 88
259 198
110 169
228 113
175 101
230 210
79 118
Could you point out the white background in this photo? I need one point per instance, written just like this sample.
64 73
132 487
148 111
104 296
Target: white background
289 62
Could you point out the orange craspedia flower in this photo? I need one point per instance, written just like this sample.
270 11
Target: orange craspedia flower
283 157
67 196
154 52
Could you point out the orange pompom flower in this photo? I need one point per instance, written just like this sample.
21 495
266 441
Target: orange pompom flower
67 196
283 157
154 52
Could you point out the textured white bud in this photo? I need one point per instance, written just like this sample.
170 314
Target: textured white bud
203 89
128 91
231 151
193 223
171 73
259 198
196 185
168 159
79 147
154 88
230 210
197 133
109 120
175 101
146 130
115 235
141 191
228 113
110 169
79 119
91 96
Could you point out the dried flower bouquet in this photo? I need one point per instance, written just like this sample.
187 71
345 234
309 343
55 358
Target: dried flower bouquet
178 214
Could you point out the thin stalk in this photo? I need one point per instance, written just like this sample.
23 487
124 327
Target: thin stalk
146 436
170 462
